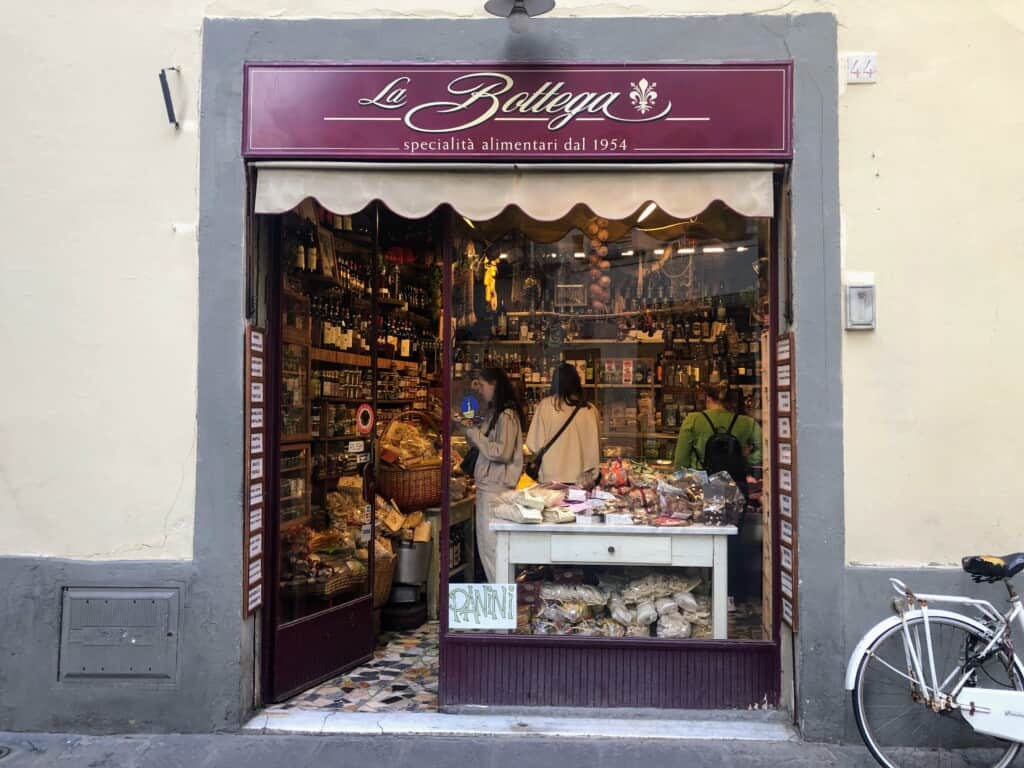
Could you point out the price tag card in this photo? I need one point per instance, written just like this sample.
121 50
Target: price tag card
786 454
356 446
255 494
786 505
784 374
256 442
256 418
256 545
255 520
255 598
256 391
786 531
785 401
786 558
786 480
255 571
256 367
787 611
787 584
255 469
256 341
785 430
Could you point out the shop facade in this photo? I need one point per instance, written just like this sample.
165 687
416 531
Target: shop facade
799 671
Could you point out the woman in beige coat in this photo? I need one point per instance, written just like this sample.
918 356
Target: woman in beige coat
575 457
500 464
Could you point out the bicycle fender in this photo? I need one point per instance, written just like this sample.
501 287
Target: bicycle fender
884 626
993 712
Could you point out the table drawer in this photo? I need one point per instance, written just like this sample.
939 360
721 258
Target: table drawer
609 548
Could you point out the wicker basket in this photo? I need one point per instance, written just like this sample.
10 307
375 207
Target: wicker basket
383 575
411 488
335 584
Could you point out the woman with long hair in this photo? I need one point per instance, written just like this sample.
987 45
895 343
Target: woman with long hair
499 439
565 429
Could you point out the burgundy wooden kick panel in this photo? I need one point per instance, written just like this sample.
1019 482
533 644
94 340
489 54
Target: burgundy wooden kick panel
493 673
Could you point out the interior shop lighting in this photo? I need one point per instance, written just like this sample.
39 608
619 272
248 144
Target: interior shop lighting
714 249
687 250
518 12
626 253
646 212
502 255
659 251
471 224
741 249
577 255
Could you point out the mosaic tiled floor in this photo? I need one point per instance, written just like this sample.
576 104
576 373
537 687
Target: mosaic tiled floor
401 678
403 674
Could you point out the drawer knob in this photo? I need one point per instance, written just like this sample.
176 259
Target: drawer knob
611 550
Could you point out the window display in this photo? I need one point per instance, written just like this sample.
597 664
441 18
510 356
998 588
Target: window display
633 350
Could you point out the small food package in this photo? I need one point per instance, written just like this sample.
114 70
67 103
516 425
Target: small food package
673 625
723 500
412 520
421 532
620 612
666 605
393 520
558 515
686 601
646 613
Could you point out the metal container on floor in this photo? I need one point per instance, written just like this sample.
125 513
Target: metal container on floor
413 562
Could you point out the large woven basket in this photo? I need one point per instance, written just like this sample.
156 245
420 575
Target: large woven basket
411 488
383 575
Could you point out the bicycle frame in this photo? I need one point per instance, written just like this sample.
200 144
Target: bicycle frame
999 625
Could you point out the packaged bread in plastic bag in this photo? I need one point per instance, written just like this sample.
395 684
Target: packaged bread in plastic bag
646 613
673 625
666 605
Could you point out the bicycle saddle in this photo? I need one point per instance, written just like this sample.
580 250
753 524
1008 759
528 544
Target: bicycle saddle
991 568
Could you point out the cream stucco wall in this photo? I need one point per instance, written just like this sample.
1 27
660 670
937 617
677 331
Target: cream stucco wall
98 280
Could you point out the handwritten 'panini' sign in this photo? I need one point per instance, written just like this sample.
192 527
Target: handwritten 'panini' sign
482 606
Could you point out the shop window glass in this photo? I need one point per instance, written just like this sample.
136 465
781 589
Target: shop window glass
653 325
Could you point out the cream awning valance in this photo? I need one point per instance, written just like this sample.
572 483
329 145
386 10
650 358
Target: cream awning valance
545 193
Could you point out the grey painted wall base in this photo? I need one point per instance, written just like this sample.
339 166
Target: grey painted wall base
205 697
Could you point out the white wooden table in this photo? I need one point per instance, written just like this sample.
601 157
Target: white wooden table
700 546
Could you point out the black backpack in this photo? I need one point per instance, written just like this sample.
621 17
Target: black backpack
723 452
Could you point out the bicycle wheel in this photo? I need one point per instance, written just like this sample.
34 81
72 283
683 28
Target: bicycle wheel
893 719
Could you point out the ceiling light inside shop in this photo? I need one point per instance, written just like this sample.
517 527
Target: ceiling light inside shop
659 251
627 253
687 250
714 249
646 212
741 249
502 255
578 255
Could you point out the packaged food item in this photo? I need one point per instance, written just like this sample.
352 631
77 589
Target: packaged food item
686 601
620 612
673 625
646 613
638 630
666 605
558 515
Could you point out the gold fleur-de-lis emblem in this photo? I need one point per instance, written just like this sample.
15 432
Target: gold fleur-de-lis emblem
643 95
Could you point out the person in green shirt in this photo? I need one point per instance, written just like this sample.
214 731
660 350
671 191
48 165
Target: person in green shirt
693 438
696 431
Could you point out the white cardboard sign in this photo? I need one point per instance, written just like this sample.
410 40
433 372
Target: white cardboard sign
482 606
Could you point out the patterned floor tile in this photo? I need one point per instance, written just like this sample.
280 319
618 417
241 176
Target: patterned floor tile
401 678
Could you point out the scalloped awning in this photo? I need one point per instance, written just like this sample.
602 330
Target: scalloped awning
542 193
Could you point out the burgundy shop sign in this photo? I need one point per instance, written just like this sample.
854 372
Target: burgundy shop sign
518 112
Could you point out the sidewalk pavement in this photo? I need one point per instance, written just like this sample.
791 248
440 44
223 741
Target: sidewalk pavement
423 751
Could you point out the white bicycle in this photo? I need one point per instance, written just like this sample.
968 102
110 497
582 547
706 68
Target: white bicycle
939 679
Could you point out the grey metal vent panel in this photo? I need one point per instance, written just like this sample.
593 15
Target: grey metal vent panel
119 634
